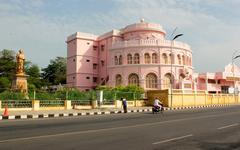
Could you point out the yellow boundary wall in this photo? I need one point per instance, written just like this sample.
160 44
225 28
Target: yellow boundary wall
67 105
182 98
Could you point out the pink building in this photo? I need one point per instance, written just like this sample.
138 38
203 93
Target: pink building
219 82
136 54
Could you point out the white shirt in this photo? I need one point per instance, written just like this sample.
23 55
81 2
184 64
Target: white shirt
156 102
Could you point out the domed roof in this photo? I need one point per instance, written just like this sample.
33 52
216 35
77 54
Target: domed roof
142 25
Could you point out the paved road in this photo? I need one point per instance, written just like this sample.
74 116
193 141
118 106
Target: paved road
210 128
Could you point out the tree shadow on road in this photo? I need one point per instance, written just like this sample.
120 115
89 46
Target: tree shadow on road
220 146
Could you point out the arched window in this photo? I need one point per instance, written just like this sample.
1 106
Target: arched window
118 80
147 58
116 60
170 58
133 79
179 59
151 80
154 58
190 62
129 59
183 60
136 59
187 60
167 81
181 77
120 60
164 58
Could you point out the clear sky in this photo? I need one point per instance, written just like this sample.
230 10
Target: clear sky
40 27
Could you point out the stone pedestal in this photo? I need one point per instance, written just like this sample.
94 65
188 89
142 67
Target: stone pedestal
118 104
35 104
19 83
68 104
94 104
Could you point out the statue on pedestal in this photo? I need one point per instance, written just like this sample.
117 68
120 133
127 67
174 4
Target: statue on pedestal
20 79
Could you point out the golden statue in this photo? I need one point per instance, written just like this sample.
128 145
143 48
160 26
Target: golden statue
19 82
20 62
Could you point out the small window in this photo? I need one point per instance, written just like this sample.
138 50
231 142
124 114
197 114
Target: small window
86 90
95 48
95 79
73 60
87 77
102 47
116 60
120 60
88 43
94 66
102 78
212 81
102 62
73 78
87 60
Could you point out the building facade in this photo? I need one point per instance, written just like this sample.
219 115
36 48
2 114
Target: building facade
219 82
137 54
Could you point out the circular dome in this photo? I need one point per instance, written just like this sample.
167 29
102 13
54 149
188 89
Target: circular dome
143 26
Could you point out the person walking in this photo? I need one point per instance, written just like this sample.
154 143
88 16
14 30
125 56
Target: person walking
124 104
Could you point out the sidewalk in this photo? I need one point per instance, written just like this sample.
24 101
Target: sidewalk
66 113
82 112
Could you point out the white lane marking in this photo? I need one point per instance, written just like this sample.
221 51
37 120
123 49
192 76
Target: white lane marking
173 139
114 128
232 125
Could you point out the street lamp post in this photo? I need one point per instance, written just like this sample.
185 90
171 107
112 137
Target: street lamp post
172 78
233 71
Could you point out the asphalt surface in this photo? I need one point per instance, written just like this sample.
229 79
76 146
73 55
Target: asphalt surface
206 128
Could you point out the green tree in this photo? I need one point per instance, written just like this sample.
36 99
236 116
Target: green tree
7 63
4 84
55 72
7 68
34 81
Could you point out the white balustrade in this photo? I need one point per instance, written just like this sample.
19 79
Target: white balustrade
142 42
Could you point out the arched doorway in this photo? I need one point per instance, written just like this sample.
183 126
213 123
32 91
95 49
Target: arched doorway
167 81
118 80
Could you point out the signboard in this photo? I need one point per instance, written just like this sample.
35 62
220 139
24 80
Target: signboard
187 86
231 90
100 97
233 78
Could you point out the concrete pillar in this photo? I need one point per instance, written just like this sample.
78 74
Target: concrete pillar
94 104
137 103
35 105
118 104
195 95
67 104
182 98
206 96
169 99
